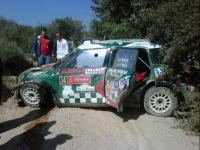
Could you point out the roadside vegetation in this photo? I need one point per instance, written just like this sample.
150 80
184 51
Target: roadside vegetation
173 23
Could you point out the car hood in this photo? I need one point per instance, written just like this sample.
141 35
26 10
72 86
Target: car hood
43 67
37 72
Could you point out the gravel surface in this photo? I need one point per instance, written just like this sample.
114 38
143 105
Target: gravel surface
26 128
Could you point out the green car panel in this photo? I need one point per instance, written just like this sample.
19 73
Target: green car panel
114 72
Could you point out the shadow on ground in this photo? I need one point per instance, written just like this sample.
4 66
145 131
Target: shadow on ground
31 116
129 113
34 138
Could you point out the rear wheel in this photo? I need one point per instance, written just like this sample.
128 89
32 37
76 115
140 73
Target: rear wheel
33 95
160 101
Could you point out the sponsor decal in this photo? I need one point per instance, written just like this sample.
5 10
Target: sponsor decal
33 74
85 88
67 91
117 71
94 71
112 86
73 71
75 79
116 83
158 71
122 62
116 75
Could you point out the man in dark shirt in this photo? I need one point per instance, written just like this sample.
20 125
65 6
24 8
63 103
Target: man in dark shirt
43 48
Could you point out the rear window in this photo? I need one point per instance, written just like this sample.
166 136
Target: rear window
154 53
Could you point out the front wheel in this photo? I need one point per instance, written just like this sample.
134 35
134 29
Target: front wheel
160 101
33 95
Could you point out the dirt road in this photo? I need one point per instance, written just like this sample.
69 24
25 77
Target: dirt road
25 128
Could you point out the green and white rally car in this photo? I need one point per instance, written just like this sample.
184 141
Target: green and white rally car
100 73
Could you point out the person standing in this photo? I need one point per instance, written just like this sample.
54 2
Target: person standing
61 48
42 48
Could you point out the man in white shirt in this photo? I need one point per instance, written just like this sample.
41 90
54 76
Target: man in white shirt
61 47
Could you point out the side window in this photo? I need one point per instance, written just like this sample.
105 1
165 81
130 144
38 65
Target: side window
90 59
124 59
143 61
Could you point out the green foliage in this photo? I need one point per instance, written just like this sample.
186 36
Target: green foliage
38 29
194 113
176 25
72 29
4 23
130 18
99 29
22 35
173 23
16 41
13 58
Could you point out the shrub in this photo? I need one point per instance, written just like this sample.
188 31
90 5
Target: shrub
176 26
13 58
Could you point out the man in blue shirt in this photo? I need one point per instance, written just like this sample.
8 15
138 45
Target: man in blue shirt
42 48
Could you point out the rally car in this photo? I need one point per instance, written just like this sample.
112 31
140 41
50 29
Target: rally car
118 73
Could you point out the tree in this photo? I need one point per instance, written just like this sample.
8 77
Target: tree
71 29
22 35
13 58
4 23
129 18
176 25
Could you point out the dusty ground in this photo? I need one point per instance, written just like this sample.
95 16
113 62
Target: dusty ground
25 128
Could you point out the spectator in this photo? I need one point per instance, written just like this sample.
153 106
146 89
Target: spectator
61 47
42 48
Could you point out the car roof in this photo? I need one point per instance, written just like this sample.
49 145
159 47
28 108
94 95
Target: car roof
132 43
85 39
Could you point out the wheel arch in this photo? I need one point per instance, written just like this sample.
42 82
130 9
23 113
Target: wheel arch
153 83
41 83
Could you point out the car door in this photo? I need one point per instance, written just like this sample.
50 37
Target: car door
84 82
119 80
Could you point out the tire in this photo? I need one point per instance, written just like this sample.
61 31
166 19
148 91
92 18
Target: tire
160 101
33 95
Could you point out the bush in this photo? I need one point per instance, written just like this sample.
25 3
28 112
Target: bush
13 58
176 26
194 112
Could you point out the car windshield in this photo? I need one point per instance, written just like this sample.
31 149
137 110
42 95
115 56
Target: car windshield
67 59
154 53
